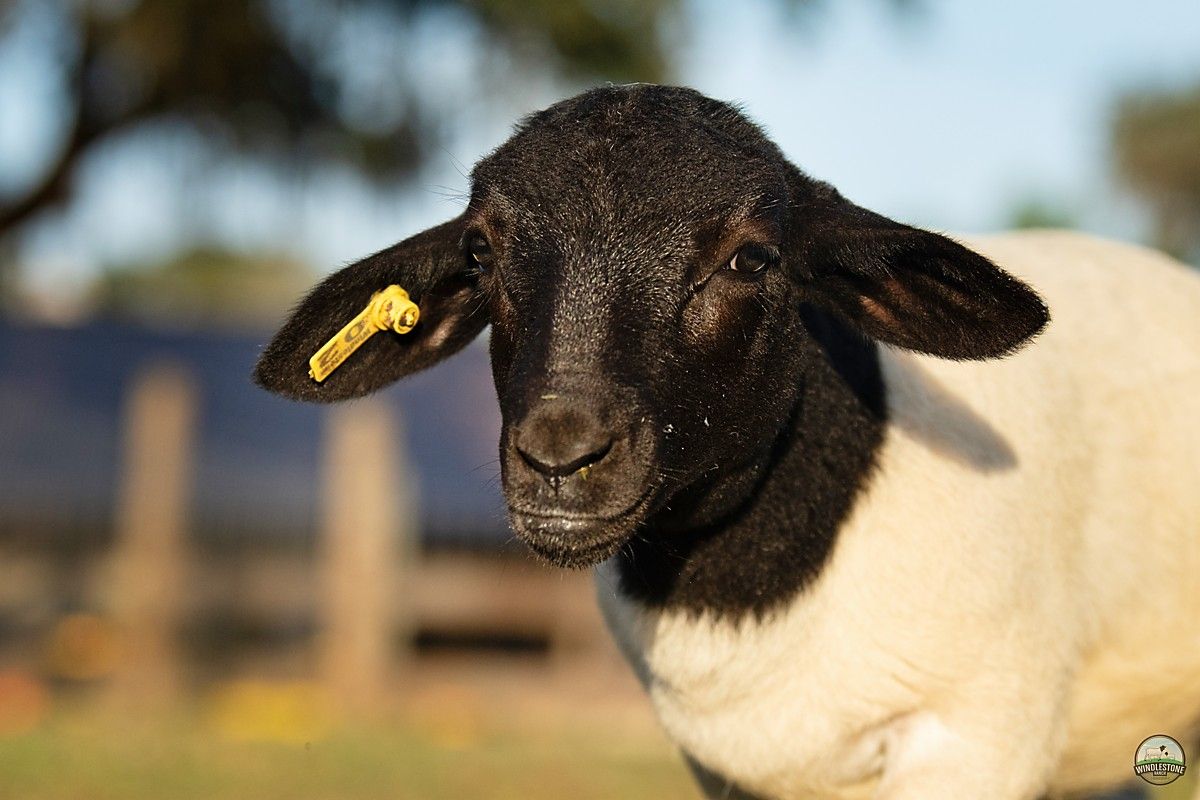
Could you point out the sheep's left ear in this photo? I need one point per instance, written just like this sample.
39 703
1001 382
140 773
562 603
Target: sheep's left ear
909 287
431 267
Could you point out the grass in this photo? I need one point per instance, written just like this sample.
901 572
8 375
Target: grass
425 753
1179 790
185 759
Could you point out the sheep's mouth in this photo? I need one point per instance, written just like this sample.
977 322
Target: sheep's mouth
577 541
571 553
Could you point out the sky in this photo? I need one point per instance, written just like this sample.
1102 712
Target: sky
949 117
952 117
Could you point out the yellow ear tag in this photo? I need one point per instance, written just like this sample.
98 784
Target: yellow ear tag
389 310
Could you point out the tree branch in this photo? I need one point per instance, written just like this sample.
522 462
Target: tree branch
53 187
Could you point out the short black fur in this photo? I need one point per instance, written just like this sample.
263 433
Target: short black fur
775 541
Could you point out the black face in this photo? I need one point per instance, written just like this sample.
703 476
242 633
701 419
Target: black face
641 331
645 257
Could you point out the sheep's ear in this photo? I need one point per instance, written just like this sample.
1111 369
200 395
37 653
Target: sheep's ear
431 267
909 287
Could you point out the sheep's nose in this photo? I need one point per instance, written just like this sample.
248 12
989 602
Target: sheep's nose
559 439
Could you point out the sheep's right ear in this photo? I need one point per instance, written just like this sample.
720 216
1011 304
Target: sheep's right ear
431 266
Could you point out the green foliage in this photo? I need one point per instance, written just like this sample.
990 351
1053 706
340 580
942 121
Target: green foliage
133 759
1037 212
203 287
618 41
292 85
274 77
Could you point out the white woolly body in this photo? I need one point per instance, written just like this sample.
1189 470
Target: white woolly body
1014 602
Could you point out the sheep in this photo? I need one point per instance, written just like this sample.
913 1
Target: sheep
1160 753
1156 752
845 486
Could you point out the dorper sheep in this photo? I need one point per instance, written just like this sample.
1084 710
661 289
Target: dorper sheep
1160 752
849 486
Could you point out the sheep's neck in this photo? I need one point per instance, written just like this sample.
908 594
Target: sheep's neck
777 518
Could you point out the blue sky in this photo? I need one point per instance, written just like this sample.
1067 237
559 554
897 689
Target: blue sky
953 117
947 118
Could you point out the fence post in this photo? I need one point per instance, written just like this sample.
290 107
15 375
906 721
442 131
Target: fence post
368 529
150 553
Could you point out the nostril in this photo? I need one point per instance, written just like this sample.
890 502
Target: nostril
560 464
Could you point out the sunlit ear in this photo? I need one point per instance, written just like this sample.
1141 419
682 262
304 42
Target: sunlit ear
431 267
909 287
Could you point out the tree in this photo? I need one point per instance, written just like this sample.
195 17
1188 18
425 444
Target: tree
279 80
261 75
203 288
273 79
1156 149
1036 211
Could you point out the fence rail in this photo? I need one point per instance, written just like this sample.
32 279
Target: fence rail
359 606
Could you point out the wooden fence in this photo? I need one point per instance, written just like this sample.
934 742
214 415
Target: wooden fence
369 600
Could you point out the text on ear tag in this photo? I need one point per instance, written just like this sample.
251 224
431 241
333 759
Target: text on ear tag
389 309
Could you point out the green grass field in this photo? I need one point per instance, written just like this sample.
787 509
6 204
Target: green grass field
86 760
425 755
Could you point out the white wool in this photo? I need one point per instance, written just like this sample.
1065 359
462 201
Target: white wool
1014 602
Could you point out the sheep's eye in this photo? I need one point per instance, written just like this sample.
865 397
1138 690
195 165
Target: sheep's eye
750 259
480 251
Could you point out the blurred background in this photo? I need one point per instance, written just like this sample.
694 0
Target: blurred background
209 592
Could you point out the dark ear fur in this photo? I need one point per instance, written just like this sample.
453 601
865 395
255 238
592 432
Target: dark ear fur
431 267
909 287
